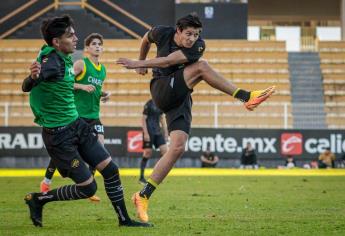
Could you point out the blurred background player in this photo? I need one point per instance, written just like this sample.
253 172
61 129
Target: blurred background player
208 159
248 158
176 71
90 75
71 143
327 159
155 134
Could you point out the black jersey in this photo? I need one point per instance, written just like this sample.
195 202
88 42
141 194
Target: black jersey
153 117
209 156
163 37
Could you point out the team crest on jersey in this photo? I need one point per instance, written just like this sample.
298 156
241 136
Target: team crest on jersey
200 49
71 71
44 60
75 163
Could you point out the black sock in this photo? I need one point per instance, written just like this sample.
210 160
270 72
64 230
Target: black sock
50 170
114 191
147 190
67 192
242 95
143 166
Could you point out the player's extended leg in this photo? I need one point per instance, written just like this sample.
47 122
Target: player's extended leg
114 190
85 187
97 156
201 70
178 141
46 182
95 198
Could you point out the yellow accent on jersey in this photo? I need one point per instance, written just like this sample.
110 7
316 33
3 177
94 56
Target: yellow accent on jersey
81 76
99 67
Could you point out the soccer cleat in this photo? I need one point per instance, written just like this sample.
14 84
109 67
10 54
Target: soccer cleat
133 223
257 97
141 205
35 209
44 187
95 199
142 181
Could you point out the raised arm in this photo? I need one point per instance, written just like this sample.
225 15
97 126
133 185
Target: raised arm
174 58
144 50
144 47
31 81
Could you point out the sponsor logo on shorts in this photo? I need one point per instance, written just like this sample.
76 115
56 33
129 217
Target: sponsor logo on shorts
134 141
291 143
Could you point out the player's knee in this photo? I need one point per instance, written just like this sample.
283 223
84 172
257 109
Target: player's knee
87 190
110 170
202 66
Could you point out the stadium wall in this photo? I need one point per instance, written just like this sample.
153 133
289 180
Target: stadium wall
220 20
9 6
22 147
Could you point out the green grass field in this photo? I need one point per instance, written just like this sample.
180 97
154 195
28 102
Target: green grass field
191 205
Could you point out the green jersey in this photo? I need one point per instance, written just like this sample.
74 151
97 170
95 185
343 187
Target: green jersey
52 99
88 103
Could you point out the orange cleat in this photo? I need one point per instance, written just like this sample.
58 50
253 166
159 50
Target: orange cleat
95 199
44 187
257 97
141 205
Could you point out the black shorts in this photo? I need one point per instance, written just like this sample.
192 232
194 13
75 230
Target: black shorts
173 97
156 141
73 145
97 125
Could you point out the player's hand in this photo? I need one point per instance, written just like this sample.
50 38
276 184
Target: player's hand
128 63
141 71
105 96
88 88
35 69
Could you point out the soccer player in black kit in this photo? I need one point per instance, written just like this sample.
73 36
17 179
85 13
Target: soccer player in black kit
155 134
176 70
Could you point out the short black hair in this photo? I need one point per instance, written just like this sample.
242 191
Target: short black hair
190 20
91 37
55 27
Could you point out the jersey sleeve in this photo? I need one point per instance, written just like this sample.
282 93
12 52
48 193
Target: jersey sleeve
52 68
194 53
156 34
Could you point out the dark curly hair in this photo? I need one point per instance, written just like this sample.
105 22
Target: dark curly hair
190 20
55 27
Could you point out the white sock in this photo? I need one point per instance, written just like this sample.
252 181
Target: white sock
47 181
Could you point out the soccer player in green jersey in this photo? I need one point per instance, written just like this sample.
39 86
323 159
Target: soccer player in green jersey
90 75
71 143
